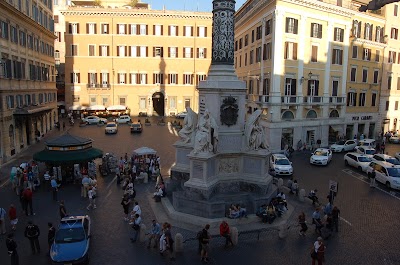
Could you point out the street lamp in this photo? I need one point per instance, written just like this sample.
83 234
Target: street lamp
302 79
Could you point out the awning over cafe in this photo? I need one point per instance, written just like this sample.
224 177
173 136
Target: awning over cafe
116 107
77 107
96 107
67 157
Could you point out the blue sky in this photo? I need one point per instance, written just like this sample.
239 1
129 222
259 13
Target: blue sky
188 5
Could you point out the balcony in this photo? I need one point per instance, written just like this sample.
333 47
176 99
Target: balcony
290 100
98 86
341 101
313 100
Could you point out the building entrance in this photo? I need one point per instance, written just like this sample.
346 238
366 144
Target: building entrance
158 103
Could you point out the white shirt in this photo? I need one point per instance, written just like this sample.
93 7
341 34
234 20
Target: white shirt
137 209
316 246
90 194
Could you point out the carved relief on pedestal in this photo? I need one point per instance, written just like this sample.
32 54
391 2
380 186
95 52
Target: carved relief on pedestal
228 165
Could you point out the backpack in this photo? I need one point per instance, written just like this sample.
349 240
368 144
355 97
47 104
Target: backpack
199 235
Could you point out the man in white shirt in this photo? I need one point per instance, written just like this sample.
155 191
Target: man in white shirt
92 200
137 209
136 227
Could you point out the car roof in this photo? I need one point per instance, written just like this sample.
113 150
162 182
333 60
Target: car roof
367 148
280 156
367 140
356 154
385 164
111 122
322 149
72 221
384 156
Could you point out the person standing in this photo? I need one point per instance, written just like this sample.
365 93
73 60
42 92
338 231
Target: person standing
54 187
224 231
32 232
318 252
303 224
335 218
383 147
205 241
137 220
92 200
372 178
137 209
12 214
3 214
51 235
28 197
85 185
316 217
155 233
12 249
125 205
62 210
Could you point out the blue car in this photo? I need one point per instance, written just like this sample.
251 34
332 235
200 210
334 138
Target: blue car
72 241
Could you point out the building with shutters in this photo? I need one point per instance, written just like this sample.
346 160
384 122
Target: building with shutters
147 60
28 93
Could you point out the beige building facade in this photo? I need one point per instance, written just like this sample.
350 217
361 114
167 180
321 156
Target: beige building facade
28 93
147 60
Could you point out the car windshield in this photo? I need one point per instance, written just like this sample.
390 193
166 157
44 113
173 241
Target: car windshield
136 125
111 125
340 143
321 153
282 161
70 235
393 161
370 151
364 159
394 172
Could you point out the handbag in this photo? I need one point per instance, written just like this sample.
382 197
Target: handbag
136 227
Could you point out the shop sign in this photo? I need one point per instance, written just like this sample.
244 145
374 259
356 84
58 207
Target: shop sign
363 118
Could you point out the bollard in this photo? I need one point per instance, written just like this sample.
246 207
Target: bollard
280 183
234 235
142 233
302 194
283 230
146 178
178 243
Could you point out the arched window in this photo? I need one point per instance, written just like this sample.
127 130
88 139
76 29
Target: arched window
378 34
287 115
11 136
311 114
334 114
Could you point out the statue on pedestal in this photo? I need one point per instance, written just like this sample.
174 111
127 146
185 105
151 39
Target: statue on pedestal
206 138
189 126
255 136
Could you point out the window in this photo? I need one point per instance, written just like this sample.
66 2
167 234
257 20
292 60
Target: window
92 100
157 30
91 28
338 34
188 31
376 76
200 77
158 52
353 73
3 29
268 27
361 99
366 54
173 79
394 32
354 54
134 51
267 51
105 79
187 52
173 30
335 87
314 53
173 52
92 78
356 29
133 78
73 28
312 88
398 83
92 50
258 54
245 59
392 57
143 51
75 77
290 50
368 31
121 29
103 50
351 99
74 50
387 105
143 79
158 78
389 82
201 53
258 32
379 34
121 51
133 29
172 102
187 103
142 103
337 56
290 87
14 34
246 40
121 78
143 29
365 75
377 53
10 102
252 36
104 101
373 99
202 32
240 43
316 30
251 57
187 79
105 28
291 25
395 10
122 101
396 105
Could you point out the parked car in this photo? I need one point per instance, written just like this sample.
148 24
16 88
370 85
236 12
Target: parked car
72 241
321 156
344 146
368 151
390 159
397 156
279 164
357 160
181 115
394 139
385 173
136 127
123 119
366 143
94 120
111 127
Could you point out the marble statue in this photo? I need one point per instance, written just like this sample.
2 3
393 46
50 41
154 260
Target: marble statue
206 137
189 126
254 132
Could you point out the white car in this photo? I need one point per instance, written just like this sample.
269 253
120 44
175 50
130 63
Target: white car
390 159
321 156
94 120
111 127
385 173
397 156
368 151
123 119
357 160
181 115
279 164
344 146
394 139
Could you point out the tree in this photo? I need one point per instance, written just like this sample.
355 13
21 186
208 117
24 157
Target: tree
376 5
132 3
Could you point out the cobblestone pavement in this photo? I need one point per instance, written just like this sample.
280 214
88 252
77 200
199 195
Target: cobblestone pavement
368 231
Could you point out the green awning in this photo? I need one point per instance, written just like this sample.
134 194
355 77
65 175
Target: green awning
67 157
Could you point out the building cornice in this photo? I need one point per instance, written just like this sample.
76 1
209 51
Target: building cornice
21 16
369 43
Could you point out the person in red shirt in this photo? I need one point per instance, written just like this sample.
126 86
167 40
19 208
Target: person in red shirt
12 214
225 232
27 196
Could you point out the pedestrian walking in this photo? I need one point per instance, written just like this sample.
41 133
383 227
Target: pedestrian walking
137 209
12 214
205 241
318 252
154 234
62 210
303 224
372 178
92 199
12 249
28 197
54 187
169 241
137 220
335 218
316 218
125 205
3 214
224 231
32 232
50 235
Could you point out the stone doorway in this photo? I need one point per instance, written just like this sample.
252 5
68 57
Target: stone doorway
158 104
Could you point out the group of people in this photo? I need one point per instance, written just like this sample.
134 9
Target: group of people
276 207
236 211
25 175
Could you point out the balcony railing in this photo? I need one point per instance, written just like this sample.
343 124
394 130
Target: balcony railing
296 100
313 100
290 100
98 86
337 100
